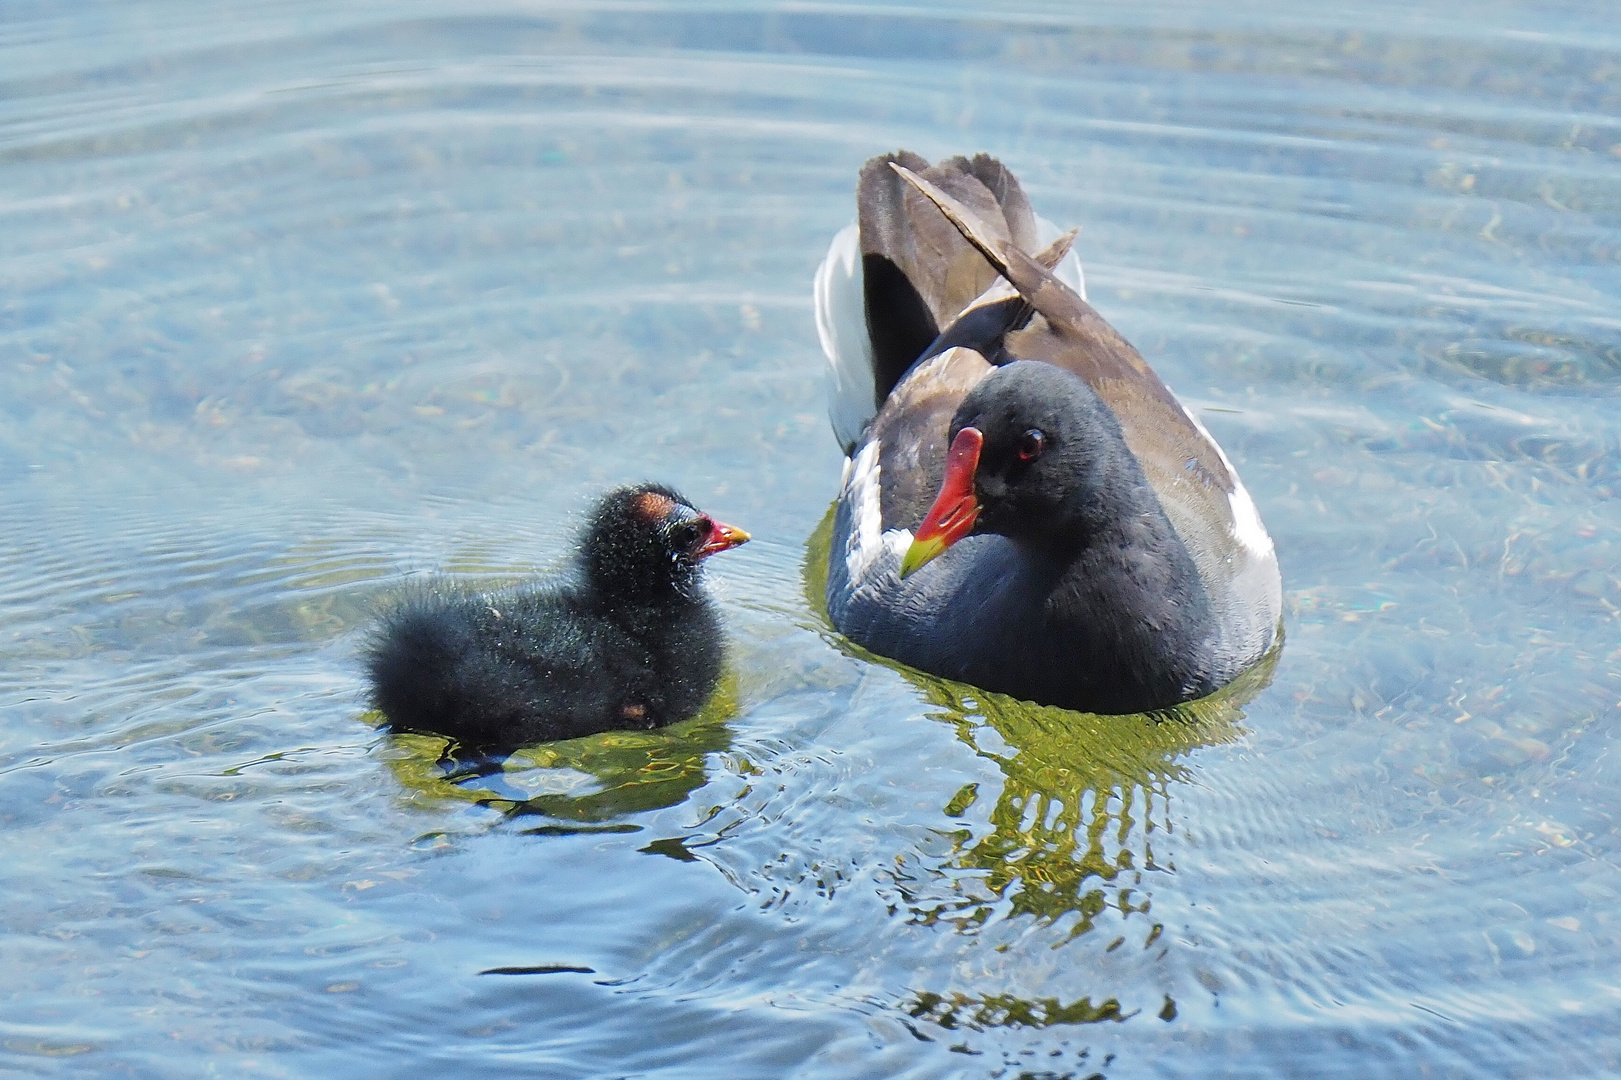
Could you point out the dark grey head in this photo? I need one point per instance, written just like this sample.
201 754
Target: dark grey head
1053 460
647 541
1035 457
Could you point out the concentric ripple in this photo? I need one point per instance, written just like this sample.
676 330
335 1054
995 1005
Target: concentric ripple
299 302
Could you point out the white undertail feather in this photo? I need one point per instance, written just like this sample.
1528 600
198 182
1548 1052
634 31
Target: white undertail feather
1069 269
841 324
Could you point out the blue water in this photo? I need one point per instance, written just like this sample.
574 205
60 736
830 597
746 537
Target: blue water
300 301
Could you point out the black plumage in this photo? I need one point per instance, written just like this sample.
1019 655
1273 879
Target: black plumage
630 641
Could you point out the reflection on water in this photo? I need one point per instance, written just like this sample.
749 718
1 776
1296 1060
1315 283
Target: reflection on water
298 300
1083 802
588 781
1082 799
1075 786
952 1011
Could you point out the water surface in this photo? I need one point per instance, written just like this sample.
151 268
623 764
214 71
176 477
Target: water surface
299 301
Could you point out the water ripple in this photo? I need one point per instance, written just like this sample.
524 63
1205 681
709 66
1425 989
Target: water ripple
297 303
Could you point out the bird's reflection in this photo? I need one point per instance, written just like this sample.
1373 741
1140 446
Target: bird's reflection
581 785
1080 822
1083 812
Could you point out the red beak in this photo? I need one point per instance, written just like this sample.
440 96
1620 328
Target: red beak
722 538
955 509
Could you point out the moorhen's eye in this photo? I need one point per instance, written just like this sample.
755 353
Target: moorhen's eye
1032 445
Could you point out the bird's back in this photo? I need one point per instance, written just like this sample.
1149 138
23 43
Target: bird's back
508 669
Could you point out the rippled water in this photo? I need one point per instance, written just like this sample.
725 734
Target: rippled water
299 300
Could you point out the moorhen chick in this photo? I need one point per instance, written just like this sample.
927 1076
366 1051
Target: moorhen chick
633 642
1025 506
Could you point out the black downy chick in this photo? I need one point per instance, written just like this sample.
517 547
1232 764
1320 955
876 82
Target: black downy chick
634 642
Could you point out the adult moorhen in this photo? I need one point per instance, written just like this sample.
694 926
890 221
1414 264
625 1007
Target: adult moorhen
1025 505
633 643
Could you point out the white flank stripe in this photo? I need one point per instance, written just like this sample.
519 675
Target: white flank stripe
868 541
1247 527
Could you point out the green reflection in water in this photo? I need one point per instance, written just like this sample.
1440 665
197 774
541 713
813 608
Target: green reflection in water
591 780
1004 1010
1084 798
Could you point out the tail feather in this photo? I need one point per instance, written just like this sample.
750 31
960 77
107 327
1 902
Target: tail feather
430 674
900 320
1004 187
919 272
983 233
892 283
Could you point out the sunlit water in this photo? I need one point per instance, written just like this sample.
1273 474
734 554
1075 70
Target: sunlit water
299 300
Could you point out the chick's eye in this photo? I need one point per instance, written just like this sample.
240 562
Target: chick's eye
689 533
1032 446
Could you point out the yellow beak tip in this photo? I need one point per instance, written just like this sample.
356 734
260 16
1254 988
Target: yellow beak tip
919 555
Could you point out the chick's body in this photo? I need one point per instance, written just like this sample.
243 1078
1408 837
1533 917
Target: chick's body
634 643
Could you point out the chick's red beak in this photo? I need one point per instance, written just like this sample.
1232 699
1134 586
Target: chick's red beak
722 537
955 509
